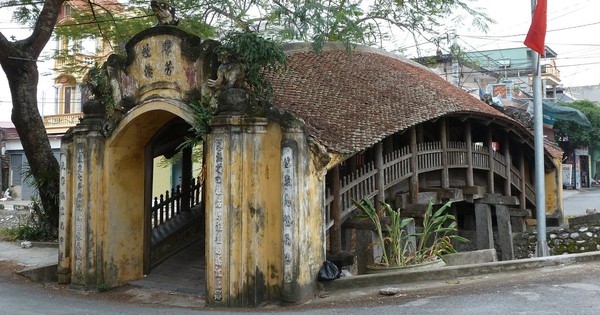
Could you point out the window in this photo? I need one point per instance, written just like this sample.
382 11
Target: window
68 98
16 169
88 46
67 10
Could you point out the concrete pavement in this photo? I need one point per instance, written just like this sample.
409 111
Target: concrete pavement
576 202
340 289
177 292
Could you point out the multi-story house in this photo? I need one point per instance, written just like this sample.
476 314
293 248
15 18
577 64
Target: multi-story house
72 60
506 75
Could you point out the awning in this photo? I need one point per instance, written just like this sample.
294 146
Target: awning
553 110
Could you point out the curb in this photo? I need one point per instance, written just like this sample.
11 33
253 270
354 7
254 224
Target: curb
41 274
446 273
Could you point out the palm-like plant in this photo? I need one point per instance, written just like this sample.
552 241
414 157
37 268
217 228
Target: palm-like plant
398 249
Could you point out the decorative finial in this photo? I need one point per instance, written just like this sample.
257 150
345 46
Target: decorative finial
164 12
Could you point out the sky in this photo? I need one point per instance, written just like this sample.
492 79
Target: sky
573 33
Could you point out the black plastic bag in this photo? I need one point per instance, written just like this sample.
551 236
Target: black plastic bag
329 271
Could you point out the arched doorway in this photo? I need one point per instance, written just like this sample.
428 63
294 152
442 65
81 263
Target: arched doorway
144 133
174 208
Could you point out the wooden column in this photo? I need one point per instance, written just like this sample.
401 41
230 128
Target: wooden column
489 143
522 196
469 142
414 179
186 178
444 140
508 161
380 181
335 233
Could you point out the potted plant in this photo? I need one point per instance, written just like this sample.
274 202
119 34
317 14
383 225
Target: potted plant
398 249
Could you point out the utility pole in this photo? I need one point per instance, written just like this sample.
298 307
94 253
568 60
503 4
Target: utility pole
538 135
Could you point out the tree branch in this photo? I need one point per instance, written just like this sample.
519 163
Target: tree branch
44 26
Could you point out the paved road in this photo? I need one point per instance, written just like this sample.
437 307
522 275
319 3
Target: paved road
571 289
575 204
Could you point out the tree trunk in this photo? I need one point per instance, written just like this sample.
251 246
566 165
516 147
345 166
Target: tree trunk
18 60
43 166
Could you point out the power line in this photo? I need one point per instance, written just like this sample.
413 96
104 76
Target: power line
548 31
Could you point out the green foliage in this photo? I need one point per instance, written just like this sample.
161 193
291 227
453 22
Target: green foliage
570 135
98 85
197 156
102 287
348 21
258 55
38 226
200 126
435 239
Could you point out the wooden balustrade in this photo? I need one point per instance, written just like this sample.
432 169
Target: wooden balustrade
168 205
357 185
481 157
397 168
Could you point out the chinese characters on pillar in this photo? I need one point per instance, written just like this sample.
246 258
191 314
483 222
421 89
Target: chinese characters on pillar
79 171
61 204
287 193
218 220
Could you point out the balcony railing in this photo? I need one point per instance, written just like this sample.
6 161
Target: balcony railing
62 121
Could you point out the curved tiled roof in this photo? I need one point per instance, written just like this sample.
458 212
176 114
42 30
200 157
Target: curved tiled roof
350 102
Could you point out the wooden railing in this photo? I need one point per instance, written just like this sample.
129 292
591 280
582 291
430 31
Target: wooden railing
397 168
170 204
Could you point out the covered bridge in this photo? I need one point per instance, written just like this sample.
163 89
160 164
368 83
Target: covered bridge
278 183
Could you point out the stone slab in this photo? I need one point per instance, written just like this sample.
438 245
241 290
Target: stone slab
585 219
497 199
472 257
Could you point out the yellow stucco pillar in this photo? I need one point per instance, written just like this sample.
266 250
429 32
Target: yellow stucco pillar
243 221
80 221
303 230
264 212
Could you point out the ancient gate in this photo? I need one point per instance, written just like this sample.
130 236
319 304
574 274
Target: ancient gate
264 232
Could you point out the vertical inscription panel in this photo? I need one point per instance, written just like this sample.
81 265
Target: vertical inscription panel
78 211
287 196
217 223
62 219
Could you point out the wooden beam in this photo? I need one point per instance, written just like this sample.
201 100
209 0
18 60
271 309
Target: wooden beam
186 178
490 177
335 233
380 180
446 194
414 179
523 195
497 199
469 142
444 139
507 190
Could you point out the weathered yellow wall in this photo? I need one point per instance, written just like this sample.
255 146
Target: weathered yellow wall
243 208
244 214
161 177
311 224
554 192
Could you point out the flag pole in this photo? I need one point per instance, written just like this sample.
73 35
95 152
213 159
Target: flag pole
538 135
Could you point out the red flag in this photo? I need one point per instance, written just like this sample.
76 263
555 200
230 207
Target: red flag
537 31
